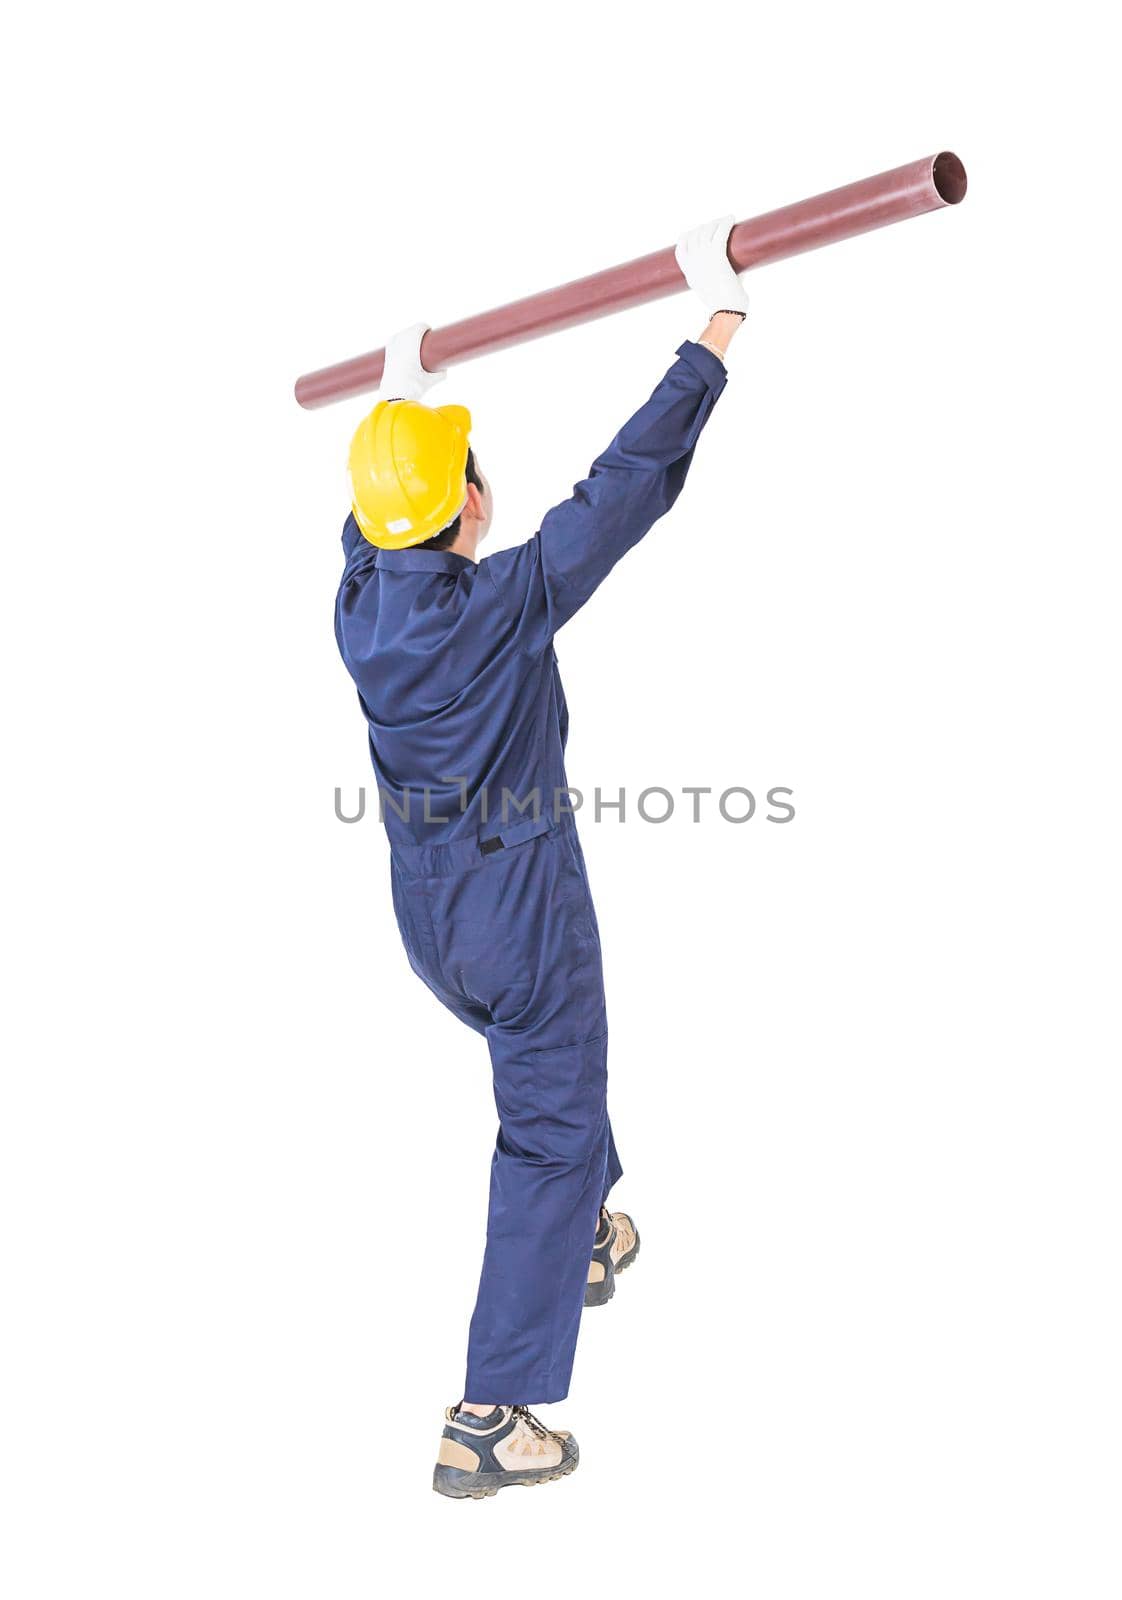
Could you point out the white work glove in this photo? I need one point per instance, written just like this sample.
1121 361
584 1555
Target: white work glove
404 378
702 254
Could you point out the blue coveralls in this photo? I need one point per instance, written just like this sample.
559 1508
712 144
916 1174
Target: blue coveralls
459 685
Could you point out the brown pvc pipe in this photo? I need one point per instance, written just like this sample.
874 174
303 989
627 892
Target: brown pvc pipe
925 185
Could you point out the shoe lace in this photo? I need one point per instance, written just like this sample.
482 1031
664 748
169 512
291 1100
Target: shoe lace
531 1421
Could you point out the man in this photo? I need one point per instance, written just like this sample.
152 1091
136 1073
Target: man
453 659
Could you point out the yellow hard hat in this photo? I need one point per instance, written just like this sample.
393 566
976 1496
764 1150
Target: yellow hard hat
407 467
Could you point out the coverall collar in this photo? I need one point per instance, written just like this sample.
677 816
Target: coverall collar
423 561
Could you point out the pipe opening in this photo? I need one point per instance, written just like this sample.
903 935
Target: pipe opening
949 177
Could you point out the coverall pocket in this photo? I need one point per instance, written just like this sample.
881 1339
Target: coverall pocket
512 834
574 890
551 1102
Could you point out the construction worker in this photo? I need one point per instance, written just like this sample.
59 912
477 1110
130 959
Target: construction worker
454 663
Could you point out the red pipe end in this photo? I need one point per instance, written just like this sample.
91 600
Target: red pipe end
949 177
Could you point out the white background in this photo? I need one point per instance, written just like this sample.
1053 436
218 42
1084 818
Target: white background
863 1065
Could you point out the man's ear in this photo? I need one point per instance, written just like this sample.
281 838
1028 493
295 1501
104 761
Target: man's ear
474 507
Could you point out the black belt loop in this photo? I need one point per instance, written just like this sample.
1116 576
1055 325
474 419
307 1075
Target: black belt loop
489 846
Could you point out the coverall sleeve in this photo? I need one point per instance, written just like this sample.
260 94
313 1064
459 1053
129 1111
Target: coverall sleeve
636 480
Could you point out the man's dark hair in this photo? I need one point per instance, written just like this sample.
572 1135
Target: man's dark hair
447 536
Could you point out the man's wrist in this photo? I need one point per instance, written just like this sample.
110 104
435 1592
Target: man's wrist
718 333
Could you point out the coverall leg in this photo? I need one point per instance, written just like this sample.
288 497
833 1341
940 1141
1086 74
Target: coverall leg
511 946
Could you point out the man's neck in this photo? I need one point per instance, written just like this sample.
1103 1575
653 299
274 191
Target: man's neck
466 543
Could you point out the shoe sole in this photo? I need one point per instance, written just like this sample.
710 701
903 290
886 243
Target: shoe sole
456 1484
598 1294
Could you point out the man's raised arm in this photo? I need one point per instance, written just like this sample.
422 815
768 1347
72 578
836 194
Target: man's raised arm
639 476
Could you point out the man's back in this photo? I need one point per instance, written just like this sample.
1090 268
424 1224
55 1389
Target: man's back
467 725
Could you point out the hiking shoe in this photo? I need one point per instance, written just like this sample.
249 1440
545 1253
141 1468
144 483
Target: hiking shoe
480 1455
617 1245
